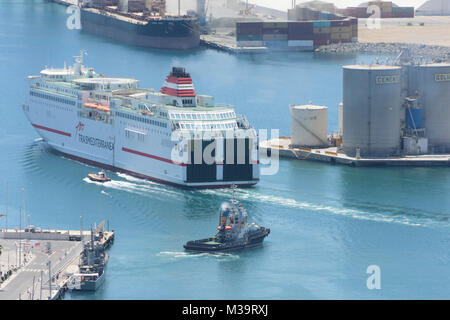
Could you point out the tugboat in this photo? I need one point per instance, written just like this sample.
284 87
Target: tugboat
234 231
93 260
99 177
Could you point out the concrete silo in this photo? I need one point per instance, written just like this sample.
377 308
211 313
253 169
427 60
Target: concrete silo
372 107
430 83
309 126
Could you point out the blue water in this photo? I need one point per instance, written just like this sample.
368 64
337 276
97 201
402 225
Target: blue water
328 223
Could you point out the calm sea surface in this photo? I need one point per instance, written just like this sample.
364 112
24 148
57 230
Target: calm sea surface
328 223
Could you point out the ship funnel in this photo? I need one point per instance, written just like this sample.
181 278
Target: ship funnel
179 84
123 6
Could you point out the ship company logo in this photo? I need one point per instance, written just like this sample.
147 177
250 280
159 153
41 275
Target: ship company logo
80 126
99 143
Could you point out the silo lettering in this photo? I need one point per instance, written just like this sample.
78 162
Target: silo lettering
442 77
387 79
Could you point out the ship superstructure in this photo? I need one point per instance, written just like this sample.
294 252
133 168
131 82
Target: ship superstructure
173 135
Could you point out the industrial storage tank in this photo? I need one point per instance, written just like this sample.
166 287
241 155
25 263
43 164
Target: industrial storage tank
309 126
372 108
432 88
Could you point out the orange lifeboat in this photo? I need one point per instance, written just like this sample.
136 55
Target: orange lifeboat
91 105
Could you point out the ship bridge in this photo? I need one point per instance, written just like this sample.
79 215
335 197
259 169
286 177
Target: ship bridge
106 84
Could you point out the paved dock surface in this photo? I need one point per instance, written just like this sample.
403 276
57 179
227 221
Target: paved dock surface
30 276
334 156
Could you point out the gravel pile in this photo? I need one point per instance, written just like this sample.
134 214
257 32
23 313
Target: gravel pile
418 51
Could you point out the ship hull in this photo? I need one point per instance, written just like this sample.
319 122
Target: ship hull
178 34
106 146
203 246
92 285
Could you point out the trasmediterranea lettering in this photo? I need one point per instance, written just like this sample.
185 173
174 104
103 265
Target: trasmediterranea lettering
99 143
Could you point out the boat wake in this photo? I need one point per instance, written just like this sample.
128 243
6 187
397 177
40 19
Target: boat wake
135 185
378 213
177 255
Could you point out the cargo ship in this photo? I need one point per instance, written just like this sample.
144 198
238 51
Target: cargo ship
144 24
174 136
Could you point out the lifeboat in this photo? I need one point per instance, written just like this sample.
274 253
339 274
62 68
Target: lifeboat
96 106
99 177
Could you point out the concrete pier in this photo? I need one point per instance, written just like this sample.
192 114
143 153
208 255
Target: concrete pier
333 156
37 265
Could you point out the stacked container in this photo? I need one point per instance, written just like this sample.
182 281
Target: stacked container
249 34
354 26
275 34
341 31
403 12
304 35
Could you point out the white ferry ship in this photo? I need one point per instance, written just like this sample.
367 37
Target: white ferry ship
112 123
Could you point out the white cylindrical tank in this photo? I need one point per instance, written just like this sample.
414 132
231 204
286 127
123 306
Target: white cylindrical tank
432 88
372 107
123 5
309 125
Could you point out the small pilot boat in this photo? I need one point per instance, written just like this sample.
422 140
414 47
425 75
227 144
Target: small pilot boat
99 177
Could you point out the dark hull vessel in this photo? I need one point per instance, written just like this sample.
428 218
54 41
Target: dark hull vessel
179 33
212 245
234 231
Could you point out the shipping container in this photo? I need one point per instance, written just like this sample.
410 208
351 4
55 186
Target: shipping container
318 43
300 31
321 36
275 43
249 28
322 30
403 12
249 43
341 29
342 36
322 24
300 43
326 16
275 30
249 37
276 25
274 37
340 23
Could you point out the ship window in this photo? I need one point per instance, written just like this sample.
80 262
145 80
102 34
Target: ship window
194 116
188 116
183 116
208 116
203 117
178 116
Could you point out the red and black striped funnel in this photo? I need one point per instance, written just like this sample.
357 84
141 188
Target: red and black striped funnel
178 84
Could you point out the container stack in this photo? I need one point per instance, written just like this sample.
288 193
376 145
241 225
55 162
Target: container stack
275 34
303 35
403 12
354 26
387 10
249 34
341 31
